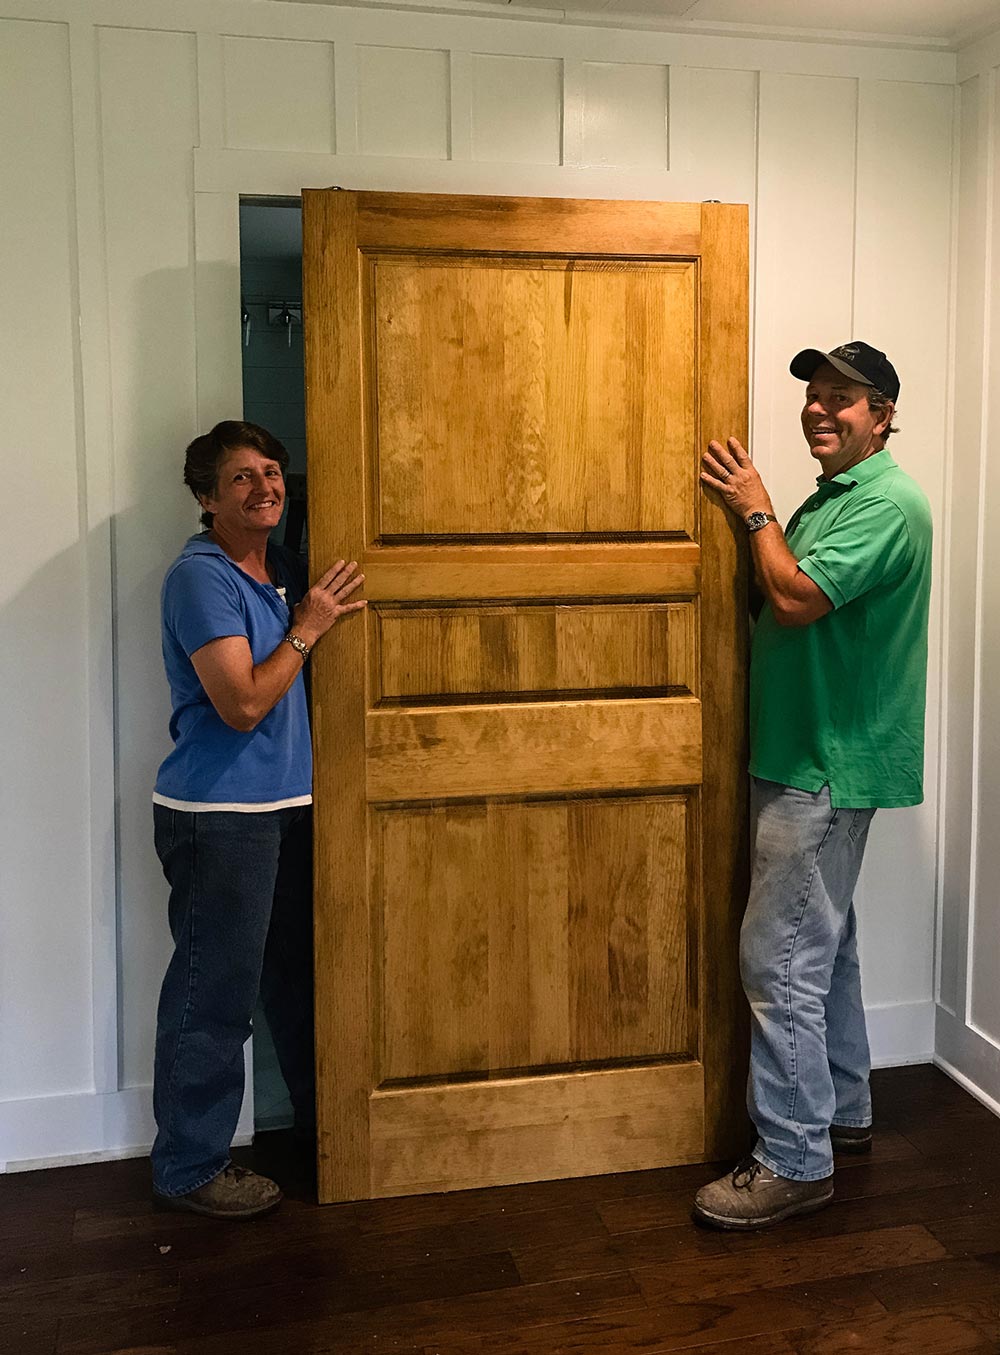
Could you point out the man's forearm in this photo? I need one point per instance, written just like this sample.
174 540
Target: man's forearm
794 599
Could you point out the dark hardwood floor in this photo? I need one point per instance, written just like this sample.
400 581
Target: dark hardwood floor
907 1260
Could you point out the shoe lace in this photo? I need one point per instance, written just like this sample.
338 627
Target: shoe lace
745 1173
234 1173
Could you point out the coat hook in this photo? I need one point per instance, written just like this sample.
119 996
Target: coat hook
285 313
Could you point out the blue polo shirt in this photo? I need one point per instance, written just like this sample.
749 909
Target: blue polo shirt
207 596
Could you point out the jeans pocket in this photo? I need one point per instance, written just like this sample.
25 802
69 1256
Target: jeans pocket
164 829
860 820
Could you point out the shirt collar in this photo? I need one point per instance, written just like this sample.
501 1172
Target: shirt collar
869 469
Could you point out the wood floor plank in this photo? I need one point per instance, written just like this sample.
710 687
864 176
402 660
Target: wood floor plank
723 1325
788 1262
971 1232
905 1262
953 1280
969 1328
28 1335
407 1327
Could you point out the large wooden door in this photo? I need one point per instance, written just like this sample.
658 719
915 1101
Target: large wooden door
530 757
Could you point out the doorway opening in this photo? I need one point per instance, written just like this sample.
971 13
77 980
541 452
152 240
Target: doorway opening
271 335
274 397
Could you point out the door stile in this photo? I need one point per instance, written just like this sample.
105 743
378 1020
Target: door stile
724 647
337 500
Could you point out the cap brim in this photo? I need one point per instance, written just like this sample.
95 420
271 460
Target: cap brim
804 366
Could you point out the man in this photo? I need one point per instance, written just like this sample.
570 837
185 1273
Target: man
837 691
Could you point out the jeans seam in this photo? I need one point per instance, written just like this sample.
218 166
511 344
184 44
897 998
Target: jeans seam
192 968
789 1005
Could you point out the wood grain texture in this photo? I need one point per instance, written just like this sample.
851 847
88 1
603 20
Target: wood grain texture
657 571
532 397
337 530
572 944
431 1138
724 658
492 225
504 650
533 749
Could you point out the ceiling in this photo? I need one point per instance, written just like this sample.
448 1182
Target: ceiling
938 23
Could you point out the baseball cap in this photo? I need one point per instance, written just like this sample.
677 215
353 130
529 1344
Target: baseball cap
856 360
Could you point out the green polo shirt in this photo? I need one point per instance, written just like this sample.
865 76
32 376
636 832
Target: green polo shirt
841 701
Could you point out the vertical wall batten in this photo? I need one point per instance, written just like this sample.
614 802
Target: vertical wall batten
97 505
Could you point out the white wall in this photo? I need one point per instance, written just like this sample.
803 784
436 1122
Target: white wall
968 993
133 129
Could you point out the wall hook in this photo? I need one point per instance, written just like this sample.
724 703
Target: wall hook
285 313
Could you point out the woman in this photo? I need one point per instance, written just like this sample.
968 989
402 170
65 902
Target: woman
232 817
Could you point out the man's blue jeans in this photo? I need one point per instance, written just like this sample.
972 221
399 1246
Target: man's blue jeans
241 919
809 1059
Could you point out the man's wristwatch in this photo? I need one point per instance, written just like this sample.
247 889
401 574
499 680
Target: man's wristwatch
297 643
755 521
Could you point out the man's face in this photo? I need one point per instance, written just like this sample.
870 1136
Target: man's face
840 428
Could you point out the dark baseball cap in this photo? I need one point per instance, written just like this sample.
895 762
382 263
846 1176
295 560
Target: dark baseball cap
856 360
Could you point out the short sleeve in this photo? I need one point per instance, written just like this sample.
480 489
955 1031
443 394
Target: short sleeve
867 546
201 603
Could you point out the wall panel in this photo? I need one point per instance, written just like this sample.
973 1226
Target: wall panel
523 130
278 95
403 102
45 979
965 527
984 940
805 259
902 304
148 124
625 114
713 129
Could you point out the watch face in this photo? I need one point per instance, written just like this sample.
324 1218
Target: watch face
756 520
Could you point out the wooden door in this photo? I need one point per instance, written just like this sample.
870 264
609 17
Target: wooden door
530 761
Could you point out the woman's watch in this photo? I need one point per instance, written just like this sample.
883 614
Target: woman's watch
755 521
297 643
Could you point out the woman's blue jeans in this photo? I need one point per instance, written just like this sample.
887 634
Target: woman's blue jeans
241 920
809 1059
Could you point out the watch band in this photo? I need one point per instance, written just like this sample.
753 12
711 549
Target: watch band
298 644
755 521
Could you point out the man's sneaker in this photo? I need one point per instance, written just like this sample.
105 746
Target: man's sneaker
753 1196
851 1138
235 1193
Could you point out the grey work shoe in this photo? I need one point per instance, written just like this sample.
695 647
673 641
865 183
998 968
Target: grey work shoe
235 1193
851 1138
753 1196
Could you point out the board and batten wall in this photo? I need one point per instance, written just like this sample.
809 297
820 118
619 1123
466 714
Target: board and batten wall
130 130
967 1037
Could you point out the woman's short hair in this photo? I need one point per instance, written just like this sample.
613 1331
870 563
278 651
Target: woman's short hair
206 454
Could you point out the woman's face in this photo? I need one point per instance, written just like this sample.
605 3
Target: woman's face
249 494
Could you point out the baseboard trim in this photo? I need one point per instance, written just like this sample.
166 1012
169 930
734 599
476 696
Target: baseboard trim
61 1131
900 1033
64 1131
969 1058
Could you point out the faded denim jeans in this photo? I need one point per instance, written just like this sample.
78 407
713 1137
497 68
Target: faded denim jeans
809 1059
241 919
